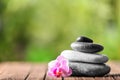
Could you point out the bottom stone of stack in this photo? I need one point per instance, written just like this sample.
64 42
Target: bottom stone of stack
88 69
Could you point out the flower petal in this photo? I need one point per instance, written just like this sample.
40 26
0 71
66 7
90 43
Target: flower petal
52 63
59 58
70 72
64 65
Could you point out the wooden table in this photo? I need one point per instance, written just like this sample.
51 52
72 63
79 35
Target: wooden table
36 71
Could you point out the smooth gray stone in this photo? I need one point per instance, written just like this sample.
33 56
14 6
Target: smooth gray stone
86 47
86 69
84 39
84 57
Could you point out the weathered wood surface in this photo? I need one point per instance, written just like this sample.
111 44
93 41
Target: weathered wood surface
37 71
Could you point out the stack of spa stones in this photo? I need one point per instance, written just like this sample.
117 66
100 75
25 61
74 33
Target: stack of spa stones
84 59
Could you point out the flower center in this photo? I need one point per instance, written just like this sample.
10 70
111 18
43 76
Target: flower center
59 74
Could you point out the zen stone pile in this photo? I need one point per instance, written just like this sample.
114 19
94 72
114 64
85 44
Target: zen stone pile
84 59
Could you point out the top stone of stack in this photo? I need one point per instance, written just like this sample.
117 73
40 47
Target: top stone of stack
84 39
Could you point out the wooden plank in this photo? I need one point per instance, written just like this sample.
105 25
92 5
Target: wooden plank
73 78
116 77
79 78
109 78
37 72
104 78
88 78
14 71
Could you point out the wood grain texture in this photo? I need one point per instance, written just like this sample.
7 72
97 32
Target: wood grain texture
88 78
37 71
79 78
73 78
104 78
14 71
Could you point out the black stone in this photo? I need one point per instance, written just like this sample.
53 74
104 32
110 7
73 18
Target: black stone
90 70
86 47
84 39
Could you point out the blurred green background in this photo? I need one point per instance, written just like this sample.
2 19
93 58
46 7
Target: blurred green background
39 30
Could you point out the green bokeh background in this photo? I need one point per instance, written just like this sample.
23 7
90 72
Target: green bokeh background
39 30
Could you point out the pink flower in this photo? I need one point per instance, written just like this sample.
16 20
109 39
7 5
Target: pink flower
59 67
